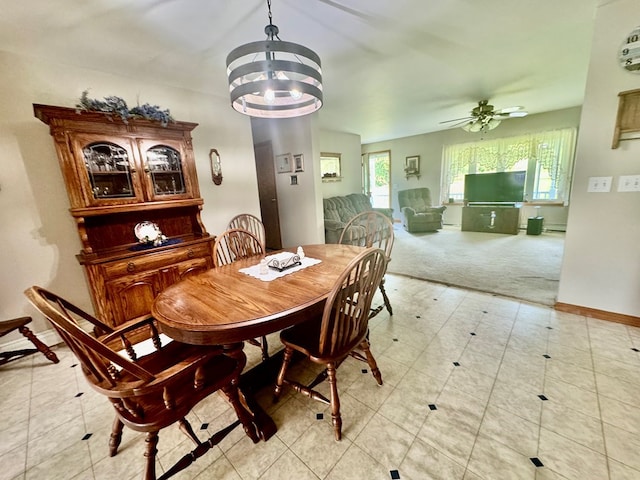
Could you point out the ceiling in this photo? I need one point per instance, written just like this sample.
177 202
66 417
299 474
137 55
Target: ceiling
391 68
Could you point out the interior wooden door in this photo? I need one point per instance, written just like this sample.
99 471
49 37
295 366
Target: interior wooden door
268 194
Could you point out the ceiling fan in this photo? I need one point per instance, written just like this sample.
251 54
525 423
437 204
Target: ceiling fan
484 117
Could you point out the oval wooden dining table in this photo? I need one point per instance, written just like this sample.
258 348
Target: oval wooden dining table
224 306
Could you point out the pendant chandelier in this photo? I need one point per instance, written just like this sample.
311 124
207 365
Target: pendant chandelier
273 78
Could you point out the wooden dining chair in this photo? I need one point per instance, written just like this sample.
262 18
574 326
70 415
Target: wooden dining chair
371 229
232 245
148 391
341 329
20 325
251 223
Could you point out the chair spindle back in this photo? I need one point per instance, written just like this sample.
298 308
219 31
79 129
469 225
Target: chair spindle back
345 318
234 244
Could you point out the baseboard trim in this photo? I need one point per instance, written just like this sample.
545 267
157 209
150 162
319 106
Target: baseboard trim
599 314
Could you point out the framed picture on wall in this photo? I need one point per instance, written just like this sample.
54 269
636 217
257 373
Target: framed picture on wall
298 162
412 164
283 163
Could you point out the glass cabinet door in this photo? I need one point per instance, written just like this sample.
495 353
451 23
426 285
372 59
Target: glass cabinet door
110 170
165 169
164 165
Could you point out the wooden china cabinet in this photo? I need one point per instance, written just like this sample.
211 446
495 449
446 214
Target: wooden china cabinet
117 176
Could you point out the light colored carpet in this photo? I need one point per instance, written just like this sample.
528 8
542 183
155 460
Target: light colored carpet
522 266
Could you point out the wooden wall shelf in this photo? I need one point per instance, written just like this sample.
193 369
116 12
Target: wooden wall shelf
628 119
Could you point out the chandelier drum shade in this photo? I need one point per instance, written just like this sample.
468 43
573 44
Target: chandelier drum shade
274 78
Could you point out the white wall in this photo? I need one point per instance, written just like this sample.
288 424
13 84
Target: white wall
348 145
39 237
297 204
601 265
429 146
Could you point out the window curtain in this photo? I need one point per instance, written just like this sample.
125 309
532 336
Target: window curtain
552 152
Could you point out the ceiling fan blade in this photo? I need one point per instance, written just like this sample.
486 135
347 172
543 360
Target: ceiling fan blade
508 110
351 11
505 115
458 119
467 121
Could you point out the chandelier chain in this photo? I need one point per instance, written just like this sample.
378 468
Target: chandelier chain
271 30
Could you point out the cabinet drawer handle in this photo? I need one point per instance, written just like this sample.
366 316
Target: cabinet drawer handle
190 253
131 267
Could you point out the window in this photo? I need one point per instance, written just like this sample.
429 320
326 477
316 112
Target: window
546 156
330 168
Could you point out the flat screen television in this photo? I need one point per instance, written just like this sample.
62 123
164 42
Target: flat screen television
500 187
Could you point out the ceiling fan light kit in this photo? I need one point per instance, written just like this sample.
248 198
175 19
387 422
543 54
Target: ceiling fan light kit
483 125
274 78
484 117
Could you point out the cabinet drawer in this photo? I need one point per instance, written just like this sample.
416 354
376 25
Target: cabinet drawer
193 267
156 260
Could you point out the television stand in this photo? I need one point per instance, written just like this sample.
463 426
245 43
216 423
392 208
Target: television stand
491 218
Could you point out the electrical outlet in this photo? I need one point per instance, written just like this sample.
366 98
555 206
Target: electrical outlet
599 184
629 183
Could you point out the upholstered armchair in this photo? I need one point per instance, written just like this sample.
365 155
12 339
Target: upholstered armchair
418 215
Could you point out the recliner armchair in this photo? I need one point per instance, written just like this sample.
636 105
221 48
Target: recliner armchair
417 213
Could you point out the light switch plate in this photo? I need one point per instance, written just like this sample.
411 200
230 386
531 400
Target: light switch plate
599 184
629 183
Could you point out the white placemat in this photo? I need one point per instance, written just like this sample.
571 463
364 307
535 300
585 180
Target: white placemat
254 271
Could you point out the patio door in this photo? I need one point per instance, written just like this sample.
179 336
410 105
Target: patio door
376 178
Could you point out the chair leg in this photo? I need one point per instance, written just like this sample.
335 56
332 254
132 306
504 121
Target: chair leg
336 419
150 453
265 349
262 343
232 393
286 360
371 361
38 344
185 427
385 298
116 436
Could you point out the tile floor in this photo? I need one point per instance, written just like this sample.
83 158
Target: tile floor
476 387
